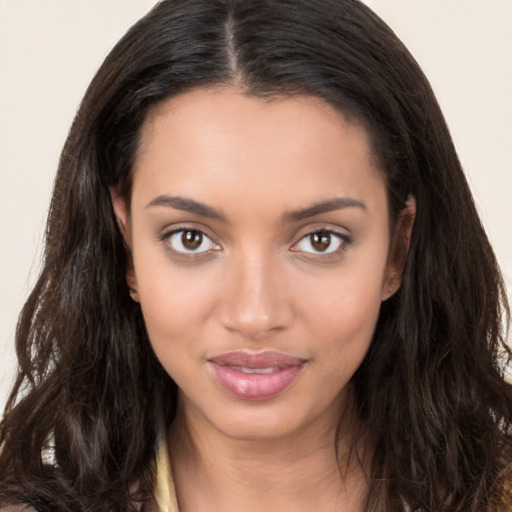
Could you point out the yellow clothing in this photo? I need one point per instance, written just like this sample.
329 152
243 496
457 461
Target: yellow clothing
165 493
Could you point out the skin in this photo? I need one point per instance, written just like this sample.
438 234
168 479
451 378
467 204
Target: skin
257 283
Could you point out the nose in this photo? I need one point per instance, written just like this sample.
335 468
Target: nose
255 303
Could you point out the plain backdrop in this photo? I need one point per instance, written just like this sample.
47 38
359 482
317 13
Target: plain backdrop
50 49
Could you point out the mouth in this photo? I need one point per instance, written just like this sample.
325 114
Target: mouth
259 376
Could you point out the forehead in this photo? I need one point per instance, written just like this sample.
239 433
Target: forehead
222 140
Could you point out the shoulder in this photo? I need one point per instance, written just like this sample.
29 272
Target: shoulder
501 496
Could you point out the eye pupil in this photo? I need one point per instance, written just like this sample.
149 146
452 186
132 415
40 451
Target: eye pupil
320 240
191 239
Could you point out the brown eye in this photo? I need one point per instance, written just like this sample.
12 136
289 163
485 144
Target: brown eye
320 241
323 241
191 240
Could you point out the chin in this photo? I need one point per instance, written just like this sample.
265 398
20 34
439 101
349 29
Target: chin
268 420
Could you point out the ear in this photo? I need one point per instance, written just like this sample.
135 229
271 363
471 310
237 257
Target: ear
399 249
121 213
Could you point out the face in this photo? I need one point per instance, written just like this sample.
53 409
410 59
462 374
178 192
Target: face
261 253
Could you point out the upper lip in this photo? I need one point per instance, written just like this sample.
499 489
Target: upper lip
256 360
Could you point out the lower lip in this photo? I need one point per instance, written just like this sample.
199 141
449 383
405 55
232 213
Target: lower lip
255 386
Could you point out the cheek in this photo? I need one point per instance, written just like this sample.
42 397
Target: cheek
345 333
176 304
342 311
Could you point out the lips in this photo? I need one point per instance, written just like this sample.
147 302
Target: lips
259 376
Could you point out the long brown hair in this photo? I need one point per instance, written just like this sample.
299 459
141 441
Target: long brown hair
81 424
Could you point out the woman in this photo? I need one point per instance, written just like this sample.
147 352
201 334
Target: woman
264 270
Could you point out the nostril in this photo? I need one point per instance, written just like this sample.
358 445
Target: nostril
253 327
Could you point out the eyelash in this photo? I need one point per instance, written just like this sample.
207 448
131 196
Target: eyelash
344 242
166 237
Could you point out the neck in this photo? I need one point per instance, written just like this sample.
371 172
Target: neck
314 469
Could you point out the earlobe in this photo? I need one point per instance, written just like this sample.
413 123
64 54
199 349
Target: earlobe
131 279
121 213
399 249
134 294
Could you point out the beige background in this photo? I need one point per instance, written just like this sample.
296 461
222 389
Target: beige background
50 49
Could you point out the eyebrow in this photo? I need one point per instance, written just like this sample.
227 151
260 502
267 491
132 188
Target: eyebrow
187 205
338 203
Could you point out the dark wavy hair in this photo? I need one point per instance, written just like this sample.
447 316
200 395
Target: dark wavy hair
82 421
